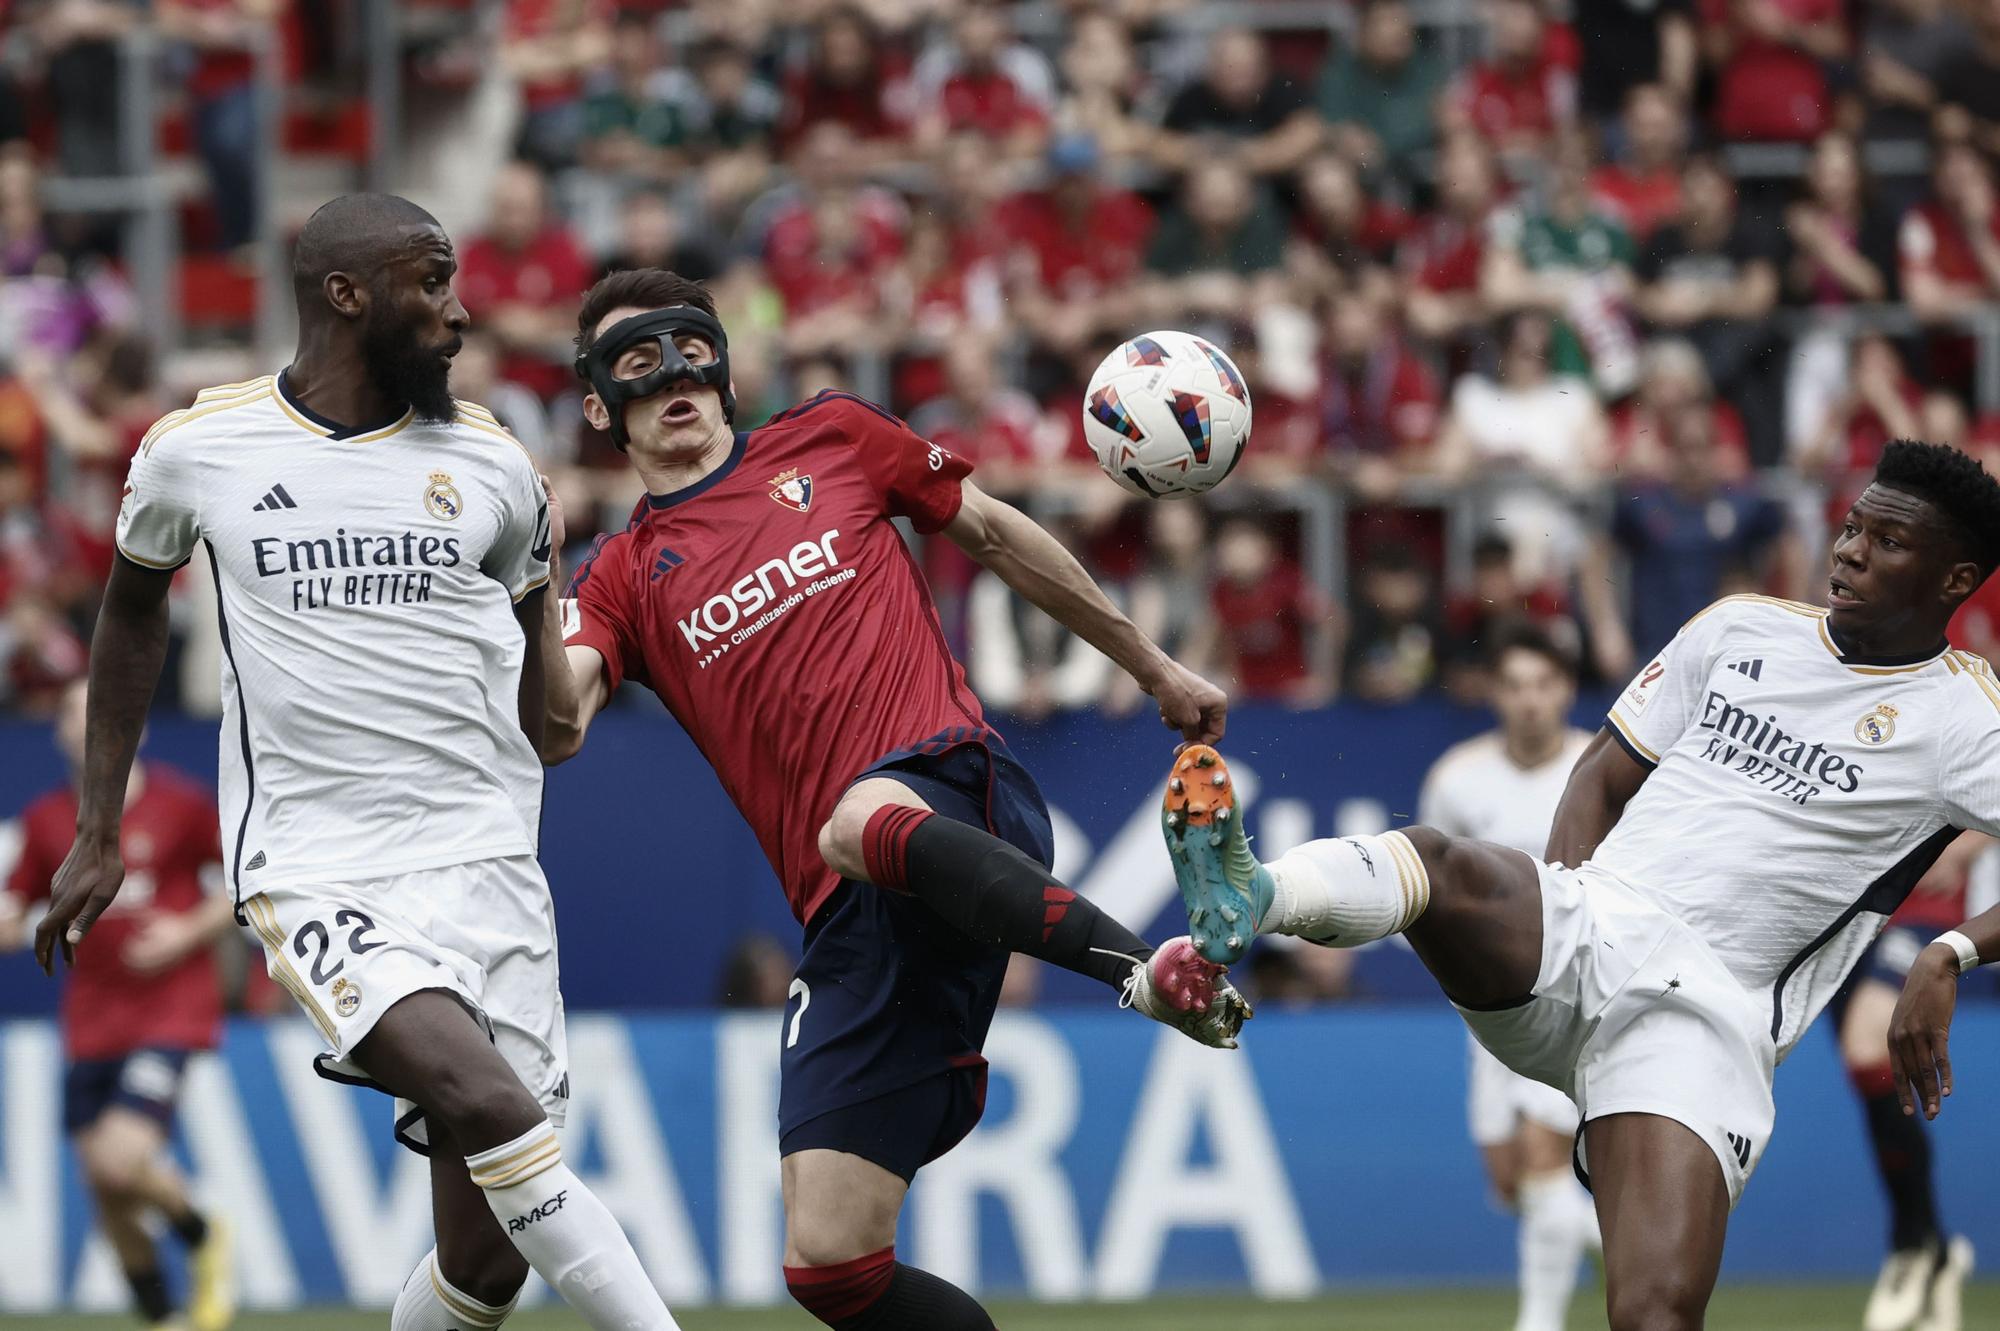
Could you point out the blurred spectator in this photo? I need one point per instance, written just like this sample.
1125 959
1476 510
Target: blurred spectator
77 45
632 125
1265 119
1443 255
1081 243
1379 99
94 427
985 81
731 125
1532 435
1642 188
1770 59
1949 246
831 246
549 47
756 974
1379 403
1881 402
848 77
519 279
1102 83
1274 625
475 377
1908 48
1517 98
956 258
1683 539
1496 600
652 233
1396 637
1221 251
1844 252
1712 277
1969 84
1169 597
1672 380
1341 232
50 303
984 420
1569 258
1020 660
224 37
1628 43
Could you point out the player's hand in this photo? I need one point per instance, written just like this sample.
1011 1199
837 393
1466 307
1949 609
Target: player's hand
88 880
558 528
1188 703
160 944
1920 1030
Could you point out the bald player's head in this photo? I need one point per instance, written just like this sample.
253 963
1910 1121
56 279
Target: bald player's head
372 277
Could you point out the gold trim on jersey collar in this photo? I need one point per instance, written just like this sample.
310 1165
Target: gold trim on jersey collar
1826 638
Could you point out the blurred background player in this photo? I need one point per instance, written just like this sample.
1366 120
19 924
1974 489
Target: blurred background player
1504 787
1921 1284
134 1010
764 593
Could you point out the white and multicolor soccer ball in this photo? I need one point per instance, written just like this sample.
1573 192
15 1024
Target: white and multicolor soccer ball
1167 414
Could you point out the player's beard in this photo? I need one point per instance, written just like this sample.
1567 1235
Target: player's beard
406 370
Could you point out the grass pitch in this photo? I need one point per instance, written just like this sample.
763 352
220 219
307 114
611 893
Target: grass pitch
1736 1308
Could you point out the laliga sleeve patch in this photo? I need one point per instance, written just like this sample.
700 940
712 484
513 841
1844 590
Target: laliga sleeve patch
1644 688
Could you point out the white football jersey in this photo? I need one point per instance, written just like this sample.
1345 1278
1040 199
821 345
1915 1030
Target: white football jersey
1476 791
1797 795
371 654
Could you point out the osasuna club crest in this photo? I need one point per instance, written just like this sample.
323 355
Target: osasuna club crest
793 490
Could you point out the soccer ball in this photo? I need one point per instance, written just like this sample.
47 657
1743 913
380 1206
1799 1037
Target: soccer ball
1167 415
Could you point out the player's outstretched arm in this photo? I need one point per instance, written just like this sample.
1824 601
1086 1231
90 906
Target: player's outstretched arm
1010 544
1603 782
126 654
1920 1029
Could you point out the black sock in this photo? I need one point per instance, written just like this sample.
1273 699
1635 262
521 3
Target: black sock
994 894
191 1227
149 1293
1903 1155
919 1301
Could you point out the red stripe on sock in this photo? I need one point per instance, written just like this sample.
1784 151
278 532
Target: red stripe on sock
1874 1080
1055 905
885 841
836 1293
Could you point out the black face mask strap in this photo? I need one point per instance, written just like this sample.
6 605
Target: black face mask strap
595 365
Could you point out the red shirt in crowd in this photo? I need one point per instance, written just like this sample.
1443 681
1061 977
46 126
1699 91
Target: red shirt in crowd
776 611
1386 404
530 19
1770 89
1443 254
1508 106
871 110
813 270
1078 255
1264 626
1642 202
990 102
552 271
169 838
1932 240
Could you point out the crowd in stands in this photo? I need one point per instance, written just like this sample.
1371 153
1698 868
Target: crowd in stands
1591 313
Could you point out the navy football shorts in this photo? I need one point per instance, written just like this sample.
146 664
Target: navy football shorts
1887 961
882 1037
146 1081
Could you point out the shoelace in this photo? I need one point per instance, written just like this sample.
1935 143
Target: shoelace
1129 995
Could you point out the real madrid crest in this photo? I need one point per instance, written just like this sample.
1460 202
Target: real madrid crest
441 497
793 490
1878 727
346 997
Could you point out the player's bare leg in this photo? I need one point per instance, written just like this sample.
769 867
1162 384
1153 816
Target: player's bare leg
429 1050
840 1253
1664 1208
882 832
125 1163
473 1276
1921 1281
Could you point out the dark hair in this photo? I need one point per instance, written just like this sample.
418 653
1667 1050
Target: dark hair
1954 484
1522 636
639 288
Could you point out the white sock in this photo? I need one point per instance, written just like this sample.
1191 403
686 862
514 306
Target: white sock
1348 891
429 1302
567 1235
1552 1243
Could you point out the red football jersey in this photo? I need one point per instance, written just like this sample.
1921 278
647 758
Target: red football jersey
778 614
169 836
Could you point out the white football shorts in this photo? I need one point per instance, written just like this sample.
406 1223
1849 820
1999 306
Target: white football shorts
1498 1100
483 932
1634 1014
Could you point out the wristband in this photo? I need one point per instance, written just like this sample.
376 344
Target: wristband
1968 955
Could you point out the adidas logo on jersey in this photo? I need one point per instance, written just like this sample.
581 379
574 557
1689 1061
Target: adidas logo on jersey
256 861
274 498
1749 669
